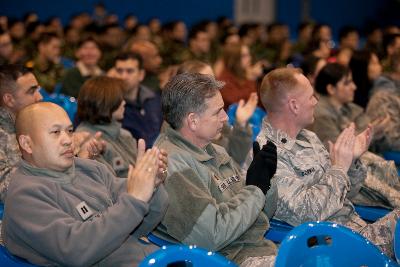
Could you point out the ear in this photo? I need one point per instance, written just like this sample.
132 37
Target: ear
25 142
8 100
192 121
293 106
330 89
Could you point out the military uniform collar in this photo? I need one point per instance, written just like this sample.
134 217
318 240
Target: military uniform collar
202 155
7 120
282 139
65 177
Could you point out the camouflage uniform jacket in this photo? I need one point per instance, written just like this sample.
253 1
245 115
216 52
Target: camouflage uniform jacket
307 186
49 75
385 99
9 150
381 185
209 204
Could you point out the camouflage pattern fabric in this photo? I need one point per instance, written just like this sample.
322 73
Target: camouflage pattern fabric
309 188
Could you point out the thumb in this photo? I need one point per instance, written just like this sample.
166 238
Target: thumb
241 103
256 148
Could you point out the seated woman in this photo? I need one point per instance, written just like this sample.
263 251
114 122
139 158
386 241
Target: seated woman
334 112
100 108
238 74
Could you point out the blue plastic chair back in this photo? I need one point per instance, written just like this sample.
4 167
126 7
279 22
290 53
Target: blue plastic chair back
6 259
255 120
371 214
328 244
196 256
68 103
392 155
158 241
277 231
1 210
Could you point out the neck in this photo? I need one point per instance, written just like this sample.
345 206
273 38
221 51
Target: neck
335 103
132 95
284 123
187 134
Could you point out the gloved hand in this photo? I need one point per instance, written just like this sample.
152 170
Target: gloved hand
263 166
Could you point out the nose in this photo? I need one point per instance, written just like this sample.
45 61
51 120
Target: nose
224 116
38 96
66 138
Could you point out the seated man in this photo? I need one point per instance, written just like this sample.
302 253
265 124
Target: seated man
64 210
311 184
210 205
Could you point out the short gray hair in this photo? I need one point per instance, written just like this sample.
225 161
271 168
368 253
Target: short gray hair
186 93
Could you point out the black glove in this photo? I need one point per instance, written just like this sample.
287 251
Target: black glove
263 166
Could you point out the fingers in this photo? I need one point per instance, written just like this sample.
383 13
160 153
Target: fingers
241 103
141 148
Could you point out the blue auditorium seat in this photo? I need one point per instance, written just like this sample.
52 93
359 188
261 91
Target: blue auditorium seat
8 260
198 257
328 244
371 214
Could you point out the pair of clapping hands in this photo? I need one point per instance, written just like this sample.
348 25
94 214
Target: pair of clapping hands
150 169
349 146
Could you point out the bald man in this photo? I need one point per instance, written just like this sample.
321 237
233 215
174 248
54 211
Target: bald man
310 183
68 211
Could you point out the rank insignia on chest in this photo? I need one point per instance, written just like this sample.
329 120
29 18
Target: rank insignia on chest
84 211
228 182
118 163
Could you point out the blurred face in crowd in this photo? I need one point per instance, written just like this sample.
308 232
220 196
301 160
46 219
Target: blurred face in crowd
6 46
374 67
179 32
51 50
245 57
89 53
128 70
201 43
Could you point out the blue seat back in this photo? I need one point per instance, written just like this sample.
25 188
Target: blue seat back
6 259
158 241
371 214
392 155
68 103
196 256
328 244
277 231
255 120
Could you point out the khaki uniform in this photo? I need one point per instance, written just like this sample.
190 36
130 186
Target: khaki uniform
308 188
382 181
209 204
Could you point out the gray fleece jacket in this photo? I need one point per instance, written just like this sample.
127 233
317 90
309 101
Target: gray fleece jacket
81 217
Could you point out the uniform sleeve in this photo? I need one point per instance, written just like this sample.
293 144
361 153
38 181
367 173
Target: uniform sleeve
157 208
194 216
357 174
314 198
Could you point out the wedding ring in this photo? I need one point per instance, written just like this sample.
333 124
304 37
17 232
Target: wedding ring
164 171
